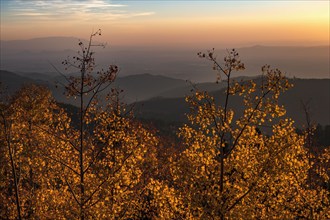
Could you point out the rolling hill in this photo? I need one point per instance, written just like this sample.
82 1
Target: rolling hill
162 98
316 92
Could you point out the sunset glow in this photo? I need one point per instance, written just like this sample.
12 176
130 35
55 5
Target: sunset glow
171 23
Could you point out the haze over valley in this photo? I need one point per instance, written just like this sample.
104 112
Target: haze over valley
38 55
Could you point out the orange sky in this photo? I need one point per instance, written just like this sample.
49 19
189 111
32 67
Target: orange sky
171 23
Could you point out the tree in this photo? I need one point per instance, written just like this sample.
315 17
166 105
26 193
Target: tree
233 166
104 156
5 141
25 120
79 87
317 188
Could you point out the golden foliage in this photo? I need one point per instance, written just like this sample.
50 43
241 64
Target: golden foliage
231 165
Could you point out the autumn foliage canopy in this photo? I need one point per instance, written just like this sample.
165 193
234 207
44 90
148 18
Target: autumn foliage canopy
226 165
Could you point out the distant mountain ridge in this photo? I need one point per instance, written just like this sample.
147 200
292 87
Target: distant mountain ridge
35 55
136 87
162 98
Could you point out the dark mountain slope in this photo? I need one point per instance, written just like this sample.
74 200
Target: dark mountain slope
164 104
12 81
146 86
314 91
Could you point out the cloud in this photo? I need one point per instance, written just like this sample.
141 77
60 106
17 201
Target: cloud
72 9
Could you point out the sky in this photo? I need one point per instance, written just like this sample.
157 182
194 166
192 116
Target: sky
167 23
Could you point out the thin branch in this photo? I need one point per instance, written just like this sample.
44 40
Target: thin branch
242 197
8 140
59 137
94 159
71 190
61 162
259 175
108 177
249 118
